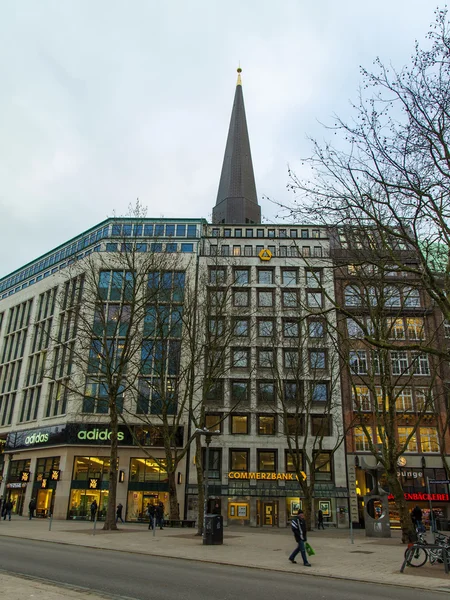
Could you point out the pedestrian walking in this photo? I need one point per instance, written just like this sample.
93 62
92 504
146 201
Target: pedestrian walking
320 520
93 510
7 510
151 515
159 514
32 507
119 512
298 526
416 517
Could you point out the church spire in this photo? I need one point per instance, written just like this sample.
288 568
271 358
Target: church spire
236 199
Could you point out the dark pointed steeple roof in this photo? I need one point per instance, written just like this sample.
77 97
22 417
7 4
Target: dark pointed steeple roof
236 199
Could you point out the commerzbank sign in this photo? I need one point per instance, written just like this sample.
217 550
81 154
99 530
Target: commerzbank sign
265 476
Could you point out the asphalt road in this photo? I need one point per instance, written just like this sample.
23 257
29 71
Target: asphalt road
122 574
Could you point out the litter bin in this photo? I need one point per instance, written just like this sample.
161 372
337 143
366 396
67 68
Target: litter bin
213 530
442 524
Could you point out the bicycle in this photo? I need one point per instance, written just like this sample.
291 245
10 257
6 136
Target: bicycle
421 554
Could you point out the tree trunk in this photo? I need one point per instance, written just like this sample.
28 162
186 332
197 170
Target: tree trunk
308 508
408 533
174 509
200 485
110 521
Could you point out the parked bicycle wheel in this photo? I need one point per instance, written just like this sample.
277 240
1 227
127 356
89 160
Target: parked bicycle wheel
416 557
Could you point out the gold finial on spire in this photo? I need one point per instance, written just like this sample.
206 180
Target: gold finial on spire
239 70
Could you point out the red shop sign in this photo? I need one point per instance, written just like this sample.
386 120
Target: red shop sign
423 497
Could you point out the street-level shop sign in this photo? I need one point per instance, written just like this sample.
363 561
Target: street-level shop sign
423 497
265 476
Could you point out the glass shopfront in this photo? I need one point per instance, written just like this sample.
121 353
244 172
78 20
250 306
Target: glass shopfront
90 482
16 486
148 484
44 487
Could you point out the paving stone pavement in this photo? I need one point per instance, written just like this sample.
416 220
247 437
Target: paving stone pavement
365 560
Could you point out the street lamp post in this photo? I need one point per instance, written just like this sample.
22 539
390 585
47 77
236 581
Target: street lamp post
208 436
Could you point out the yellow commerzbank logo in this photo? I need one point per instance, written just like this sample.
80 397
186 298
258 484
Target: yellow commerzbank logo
266 476
265 254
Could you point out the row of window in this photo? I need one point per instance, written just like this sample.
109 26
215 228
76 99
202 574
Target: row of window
267 276
266 358
281 251
154 230
406 399
267 392
249 232
401 363
267 461
424 439
267 327
163 287
158 247
268 424
265 298
390 296
396 328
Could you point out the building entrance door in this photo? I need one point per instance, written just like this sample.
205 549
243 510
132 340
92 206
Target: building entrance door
270 514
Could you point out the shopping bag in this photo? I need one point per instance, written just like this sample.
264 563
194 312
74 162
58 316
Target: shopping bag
309 549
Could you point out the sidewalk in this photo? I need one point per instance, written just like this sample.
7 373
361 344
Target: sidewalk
366 560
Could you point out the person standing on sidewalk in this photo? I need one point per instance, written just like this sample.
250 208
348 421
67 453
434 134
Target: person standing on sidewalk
159 513
32 507
151 515
7 510
320 520
93 510
298 526
119 512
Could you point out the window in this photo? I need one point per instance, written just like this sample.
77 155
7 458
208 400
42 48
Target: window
212 249
238 233
316 328
424 399
215 392
240 327
429 439
403 434
266 327
354 329
216 326
249 233
260 233
248 250
216 298
239 424
239 391
290 461
305 234
267 460
216 232
293 233
239 460
227 233
225 250
321 425
289 299
282 233
421 365
291 391
415 328
314 299
399 362
240 358
236 251
290 359
317 359
241 276
411 297
266 425
447 329
266 392
396 330
313 278
265 358
352 296
290 328
294 426
319 392
361 443
217 276
271 233
265 276
403 401
289 277
213 421
382 399
358 361
265 298
315 233
241 298
361 398
392 296
322 466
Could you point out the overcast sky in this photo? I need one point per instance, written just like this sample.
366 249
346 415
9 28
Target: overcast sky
105 101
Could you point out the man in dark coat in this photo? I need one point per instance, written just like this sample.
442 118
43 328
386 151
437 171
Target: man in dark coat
320 519
119 512
7 510
151 515
159 513
32 507
93 510
298 526
416 516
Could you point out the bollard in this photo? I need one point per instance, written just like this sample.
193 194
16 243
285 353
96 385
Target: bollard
351 532
154 526
95 523
50 522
